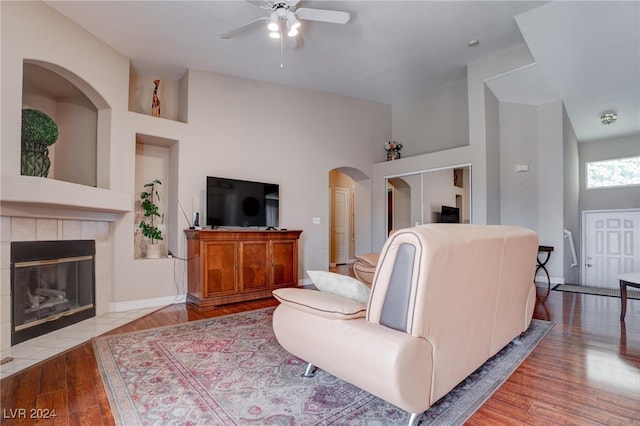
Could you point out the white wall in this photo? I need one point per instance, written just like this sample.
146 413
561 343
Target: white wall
572 216
550 185
76 152
362 212
431 122
484 156
518 190
533 136
492 141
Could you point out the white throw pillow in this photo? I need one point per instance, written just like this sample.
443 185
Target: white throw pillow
341 285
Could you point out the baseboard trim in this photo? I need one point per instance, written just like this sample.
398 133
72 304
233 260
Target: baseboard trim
304 281
543 279
146 303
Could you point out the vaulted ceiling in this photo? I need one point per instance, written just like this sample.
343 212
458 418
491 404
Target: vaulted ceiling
586 53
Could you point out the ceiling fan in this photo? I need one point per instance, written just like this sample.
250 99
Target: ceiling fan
284 18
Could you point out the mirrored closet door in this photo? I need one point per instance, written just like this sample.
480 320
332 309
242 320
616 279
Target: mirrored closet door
431 196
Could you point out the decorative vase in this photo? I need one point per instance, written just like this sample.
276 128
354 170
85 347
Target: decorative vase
155 101
393 154
152 251
35 162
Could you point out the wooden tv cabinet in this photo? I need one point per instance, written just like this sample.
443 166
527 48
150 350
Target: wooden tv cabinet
227 266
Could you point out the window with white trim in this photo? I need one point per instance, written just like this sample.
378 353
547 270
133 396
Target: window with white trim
613 173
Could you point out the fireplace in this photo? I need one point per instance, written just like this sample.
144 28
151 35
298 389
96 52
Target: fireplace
52 286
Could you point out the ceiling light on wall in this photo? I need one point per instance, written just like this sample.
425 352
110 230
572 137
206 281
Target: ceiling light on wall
473 43
608 117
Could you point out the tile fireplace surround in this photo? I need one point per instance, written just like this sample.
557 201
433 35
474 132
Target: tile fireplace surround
38 229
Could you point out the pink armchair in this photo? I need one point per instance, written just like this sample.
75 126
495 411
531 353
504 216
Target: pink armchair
445 298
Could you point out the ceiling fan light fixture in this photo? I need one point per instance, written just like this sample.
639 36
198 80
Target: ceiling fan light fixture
274 23
274 34
291 30
292 21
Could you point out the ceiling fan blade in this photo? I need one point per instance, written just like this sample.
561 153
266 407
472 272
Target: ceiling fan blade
322 15
262 4
238 30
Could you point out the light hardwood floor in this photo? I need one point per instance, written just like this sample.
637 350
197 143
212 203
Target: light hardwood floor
586 371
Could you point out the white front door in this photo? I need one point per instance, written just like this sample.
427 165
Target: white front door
341 229
611 246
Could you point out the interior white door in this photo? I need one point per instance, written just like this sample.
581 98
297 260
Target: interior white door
341 225
611 246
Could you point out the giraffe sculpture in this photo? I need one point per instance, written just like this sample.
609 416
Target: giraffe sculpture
155 102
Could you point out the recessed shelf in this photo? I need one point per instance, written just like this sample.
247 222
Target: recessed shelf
171 92
73 105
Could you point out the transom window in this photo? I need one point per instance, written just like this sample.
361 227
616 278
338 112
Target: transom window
613 173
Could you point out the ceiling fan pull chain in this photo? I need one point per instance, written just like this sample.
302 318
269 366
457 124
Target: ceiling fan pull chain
282 51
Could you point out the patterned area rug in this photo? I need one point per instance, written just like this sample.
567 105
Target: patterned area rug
600 291
231 370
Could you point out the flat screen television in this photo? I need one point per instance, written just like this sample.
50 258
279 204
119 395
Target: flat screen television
233 202
449 214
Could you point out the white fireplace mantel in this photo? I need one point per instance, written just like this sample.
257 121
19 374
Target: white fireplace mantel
34 194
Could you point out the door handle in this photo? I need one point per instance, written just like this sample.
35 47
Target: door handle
589 265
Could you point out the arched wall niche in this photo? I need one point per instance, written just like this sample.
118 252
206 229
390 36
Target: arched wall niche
83 117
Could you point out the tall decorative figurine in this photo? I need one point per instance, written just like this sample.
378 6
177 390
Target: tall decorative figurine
155 102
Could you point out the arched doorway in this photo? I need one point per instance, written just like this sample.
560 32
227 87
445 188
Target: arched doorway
349 214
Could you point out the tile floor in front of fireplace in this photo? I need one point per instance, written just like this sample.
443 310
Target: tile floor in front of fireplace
38 349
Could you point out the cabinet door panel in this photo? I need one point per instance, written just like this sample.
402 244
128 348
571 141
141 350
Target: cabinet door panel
254 273
284 263
220 269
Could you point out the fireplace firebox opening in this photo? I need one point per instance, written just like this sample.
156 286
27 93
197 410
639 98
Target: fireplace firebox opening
52 286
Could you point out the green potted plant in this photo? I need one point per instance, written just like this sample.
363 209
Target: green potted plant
39 131
151 212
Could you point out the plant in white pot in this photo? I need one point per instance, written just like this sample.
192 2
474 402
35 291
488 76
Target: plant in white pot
151 211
